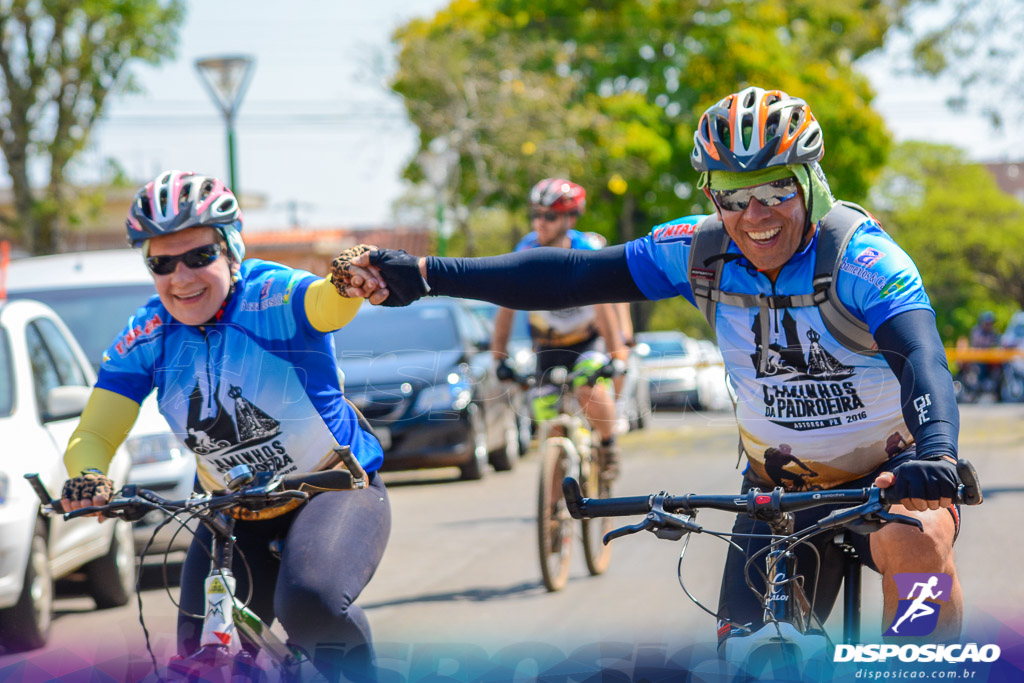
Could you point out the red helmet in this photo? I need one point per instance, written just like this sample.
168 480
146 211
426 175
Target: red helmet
560 195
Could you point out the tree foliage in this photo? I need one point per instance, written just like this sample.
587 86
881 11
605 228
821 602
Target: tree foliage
59 62
609 93
978 45
964 233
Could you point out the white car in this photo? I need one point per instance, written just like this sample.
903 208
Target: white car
713 392
45 381
670 362
95 293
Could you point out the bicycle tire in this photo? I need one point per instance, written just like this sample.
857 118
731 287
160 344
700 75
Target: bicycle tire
596 553
554 524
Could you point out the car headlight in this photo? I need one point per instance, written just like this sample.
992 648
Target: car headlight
452 396
153 448
4 484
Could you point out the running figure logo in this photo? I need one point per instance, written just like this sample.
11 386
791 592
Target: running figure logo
918 611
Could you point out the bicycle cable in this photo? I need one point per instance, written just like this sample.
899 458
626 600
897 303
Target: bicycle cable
722 536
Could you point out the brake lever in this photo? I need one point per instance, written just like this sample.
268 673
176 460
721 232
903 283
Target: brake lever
624 531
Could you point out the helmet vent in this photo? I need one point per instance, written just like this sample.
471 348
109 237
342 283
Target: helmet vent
795 121
724 134
162 198
145 207
747 128
183 194
205 190
771 125
748 101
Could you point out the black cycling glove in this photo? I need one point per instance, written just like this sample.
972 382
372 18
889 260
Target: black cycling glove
504 370
927 479
401 273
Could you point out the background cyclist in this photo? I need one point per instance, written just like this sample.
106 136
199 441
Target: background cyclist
562 336
241 355
757 153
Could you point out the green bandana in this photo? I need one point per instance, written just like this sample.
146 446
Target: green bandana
804 174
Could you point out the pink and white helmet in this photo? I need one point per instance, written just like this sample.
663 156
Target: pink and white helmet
177 200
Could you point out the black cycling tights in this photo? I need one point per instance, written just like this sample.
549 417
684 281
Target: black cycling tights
332 547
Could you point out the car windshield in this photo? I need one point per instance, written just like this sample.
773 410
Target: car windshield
95 315
6 377
665 348
378 331
520 323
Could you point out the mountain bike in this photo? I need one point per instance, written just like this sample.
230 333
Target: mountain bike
235 645
792 643
567 449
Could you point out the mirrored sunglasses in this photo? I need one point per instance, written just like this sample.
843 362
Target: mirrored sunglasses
200 257
769 194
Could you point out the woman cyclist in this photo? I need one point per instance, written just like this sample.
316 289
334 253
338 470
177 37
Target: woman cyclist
242 359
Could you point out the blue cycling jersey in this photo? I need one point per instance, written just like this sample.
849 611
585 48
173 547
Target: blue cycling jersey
258 387
567 326
840 410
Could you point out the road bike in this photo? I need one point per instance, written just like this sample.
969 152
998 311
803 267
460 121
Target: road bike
792 643
235 645
567 449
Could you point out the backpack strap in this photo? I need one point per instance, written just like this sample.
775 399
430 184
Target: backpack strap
709 239
834 233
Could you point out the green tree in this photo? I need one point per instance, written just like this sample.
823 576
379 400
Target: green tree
59 62
609 94
977 44
964 233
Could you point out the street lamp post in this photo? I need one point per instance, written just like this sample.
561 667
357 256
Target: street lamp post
226 79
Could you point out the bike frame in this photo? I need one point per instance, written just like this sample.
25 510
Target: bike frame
227 621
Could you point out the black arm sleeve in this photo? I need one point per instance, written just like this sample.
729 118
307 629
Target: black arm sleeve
537 279
911 345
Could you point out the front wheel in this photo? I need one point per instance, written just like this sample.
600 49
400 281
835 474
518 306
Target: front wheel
477 443
1012 388
595 551
26 625
554 524
111 578
504 458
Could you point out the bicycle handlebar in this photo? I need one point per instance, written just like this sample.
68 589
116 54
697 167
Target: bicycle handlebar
133 503
755 502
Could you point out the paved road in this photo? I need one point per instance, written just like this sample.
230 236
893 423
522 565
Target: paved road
461 566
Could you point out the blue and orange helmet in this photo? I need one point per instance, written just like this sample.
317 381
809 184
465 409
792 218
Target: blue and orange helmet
754 129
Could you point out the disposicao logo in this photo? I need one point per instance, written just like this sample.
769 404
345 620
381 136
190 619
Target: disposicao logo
920 598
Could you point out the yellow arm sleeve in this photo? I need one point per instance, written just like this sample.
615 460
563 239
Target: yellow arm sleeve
104 425
326 309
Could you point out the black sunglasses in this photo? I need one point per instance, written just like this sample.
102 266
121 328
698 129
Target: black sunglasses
768 194
549 216
200 257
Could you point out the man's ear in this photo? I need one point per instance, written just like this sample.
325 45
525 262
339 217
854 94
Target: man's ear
707 193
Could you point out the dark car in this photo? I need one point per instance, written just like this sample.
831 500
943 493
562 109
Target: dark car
424 379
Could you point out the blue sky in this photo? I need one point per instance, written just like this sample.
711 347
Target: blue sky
317 125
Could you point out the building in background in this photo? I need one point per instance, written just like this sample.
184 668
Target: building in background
311 249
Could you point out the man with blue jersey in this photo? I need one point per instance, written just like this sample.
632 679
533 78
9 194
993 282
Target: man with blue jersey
561 337
242 359
839 360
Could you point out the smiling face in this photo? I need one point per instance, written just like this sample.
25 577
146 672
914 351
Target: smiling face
192 296
767 236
